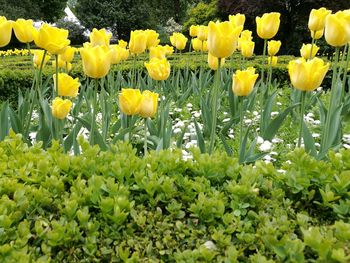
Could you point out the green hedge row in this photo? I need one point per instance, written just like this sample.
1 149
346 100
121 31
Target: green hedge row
115 206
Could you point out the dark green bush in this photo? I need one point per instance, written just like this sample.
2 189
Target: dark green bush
117 207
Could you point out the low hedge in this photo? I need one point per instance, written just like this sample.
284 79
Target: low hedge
115 206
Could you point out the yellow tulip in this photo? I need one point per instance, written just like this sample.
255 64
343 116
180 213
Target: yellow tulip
62 64
222 38
247 48
213 62
237 20
178 40
100 37
6 31
96 61
67 86
122 43
205 46
307 75
68 54
317 19
118 54
272 61
24 30
246 35
317 34
53 39
202 33
337 29
169 50
268 25
152 38
124 54
273 47
197 44
158 69
194 30
38 57
157 52
61 108
138 42
148 104
306 50
129 101
243 81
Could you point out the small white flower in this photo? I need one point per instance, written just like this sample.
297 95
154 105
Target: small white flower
248 121
277 140
279 103
259 140
177 130
210 245
226 120
315 135
255 113
346 146
281 171
317 122
274 113
265 146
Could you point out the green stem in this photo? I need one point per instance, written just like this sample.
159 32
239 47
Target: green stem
346 70
312 46
262 89
133 72
241 122
93 121
302 111
55 91
215 108
145 139
263 62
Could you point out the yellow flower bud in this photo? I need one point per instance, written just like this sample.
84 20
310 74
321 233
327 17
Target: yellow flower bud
61 108
122 43
67 86
337 29
222 38
317 18
124 54
213 62
100 37
6 31
317 34
53 39
129 101
62 64
246 35
169 50
205 46
247 48
38 57
96 61
157 52
273 47
178 40
24 30
152 38
306 50
158 69
148 104
138 42
237 20
116 56
68 54
202 33
268 25
197 44
243 81
272 61
307 75
194 30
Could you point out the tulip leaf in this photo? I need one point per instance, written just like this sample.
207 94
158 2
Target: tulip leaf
227 147
181 137
276 123
309 141
242 147
253 158
200 138
4 120
266 114
72 137
334 128
323 112
16 123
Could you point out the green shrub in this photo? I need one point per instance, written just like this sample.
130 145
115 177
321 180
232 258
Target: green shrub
114 206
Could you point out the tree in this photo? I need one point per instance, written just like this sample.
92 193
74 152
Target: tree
47 10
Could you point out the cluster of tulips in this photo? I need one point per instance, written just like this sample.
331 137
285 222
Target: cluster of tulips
219 39
14 52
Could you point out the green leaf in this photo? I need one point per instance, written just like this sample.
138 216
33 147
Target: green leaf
200 138
227 147
309 141
181 137
4 120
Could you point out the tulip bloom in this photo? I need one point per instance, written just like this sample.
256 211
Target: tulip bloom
53 39
205 46
116 55
213 62
100 37
247 48
68 54
122 43
273 47
317 19
158 69
202 33
129 101
272 60
305 51
222 38
96 61
317 34
246 35
237 20
124 54
24 30
157 52
67 86
178 40
152 38
243 81
194 30
169 50
62 64
307 75
38 57
148 104
6 31
337 29
138 42
197 44
268 25
61 108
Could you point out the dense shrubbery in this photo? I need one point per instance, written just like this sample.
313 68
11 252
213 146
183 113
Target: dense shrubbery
115 206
